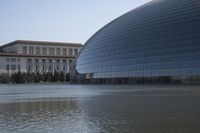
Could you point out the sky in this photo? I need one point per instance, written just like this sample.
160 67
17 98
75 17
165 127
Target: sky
58 20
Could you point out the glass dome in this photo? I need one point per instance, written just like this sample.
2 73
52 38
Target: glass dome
158 42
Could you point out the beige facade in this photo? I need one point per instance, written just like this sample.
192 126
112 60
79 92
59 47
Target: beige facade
37 56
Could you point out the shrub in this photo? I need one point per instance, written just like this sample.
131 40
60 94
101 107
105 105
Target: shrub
4 78
19 78
62 77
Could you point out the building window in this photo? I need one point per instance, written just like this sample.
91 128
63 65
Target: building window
51 51
43 67
57 61
37 60
24 50
18 59
57 51
13 59
31 50
50 60
18 67
75 51
7 59
64 61
49 68
44 51
70 51
43 60
29 60
70 61
64 51
7 67
29 68
38 51
63 67
13 67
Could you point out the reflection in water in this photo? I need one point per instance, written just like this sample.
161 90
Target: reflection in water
123 109
44 116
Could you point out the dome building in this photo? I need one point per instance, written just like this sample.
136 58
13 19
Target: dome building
157 43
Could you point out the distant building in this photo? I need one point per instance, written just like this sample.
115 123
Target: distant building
37 56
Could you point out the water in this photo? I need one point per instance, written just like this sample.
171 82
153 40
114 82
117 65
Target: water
99 109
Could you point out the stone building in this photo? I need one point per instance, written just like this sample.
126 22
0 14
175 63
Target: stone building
37 56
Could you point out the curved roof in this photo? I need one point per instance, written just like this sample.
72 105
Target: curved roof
159 31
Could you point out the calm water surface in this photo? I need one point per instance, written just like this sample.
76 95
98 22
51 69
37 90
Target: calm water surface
99 109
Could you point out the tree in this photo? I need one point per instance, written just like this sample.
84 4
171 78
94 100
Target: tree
48 77
62 77
37 77
42 77
67 77
55 76
23 78
4 78
30 77
19 77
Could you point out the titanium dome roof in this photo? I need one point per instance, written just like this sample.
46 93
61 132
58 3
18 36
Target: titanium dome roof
158 39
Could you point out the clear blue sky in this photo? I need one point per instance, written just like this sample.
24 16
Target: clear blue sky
58 20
